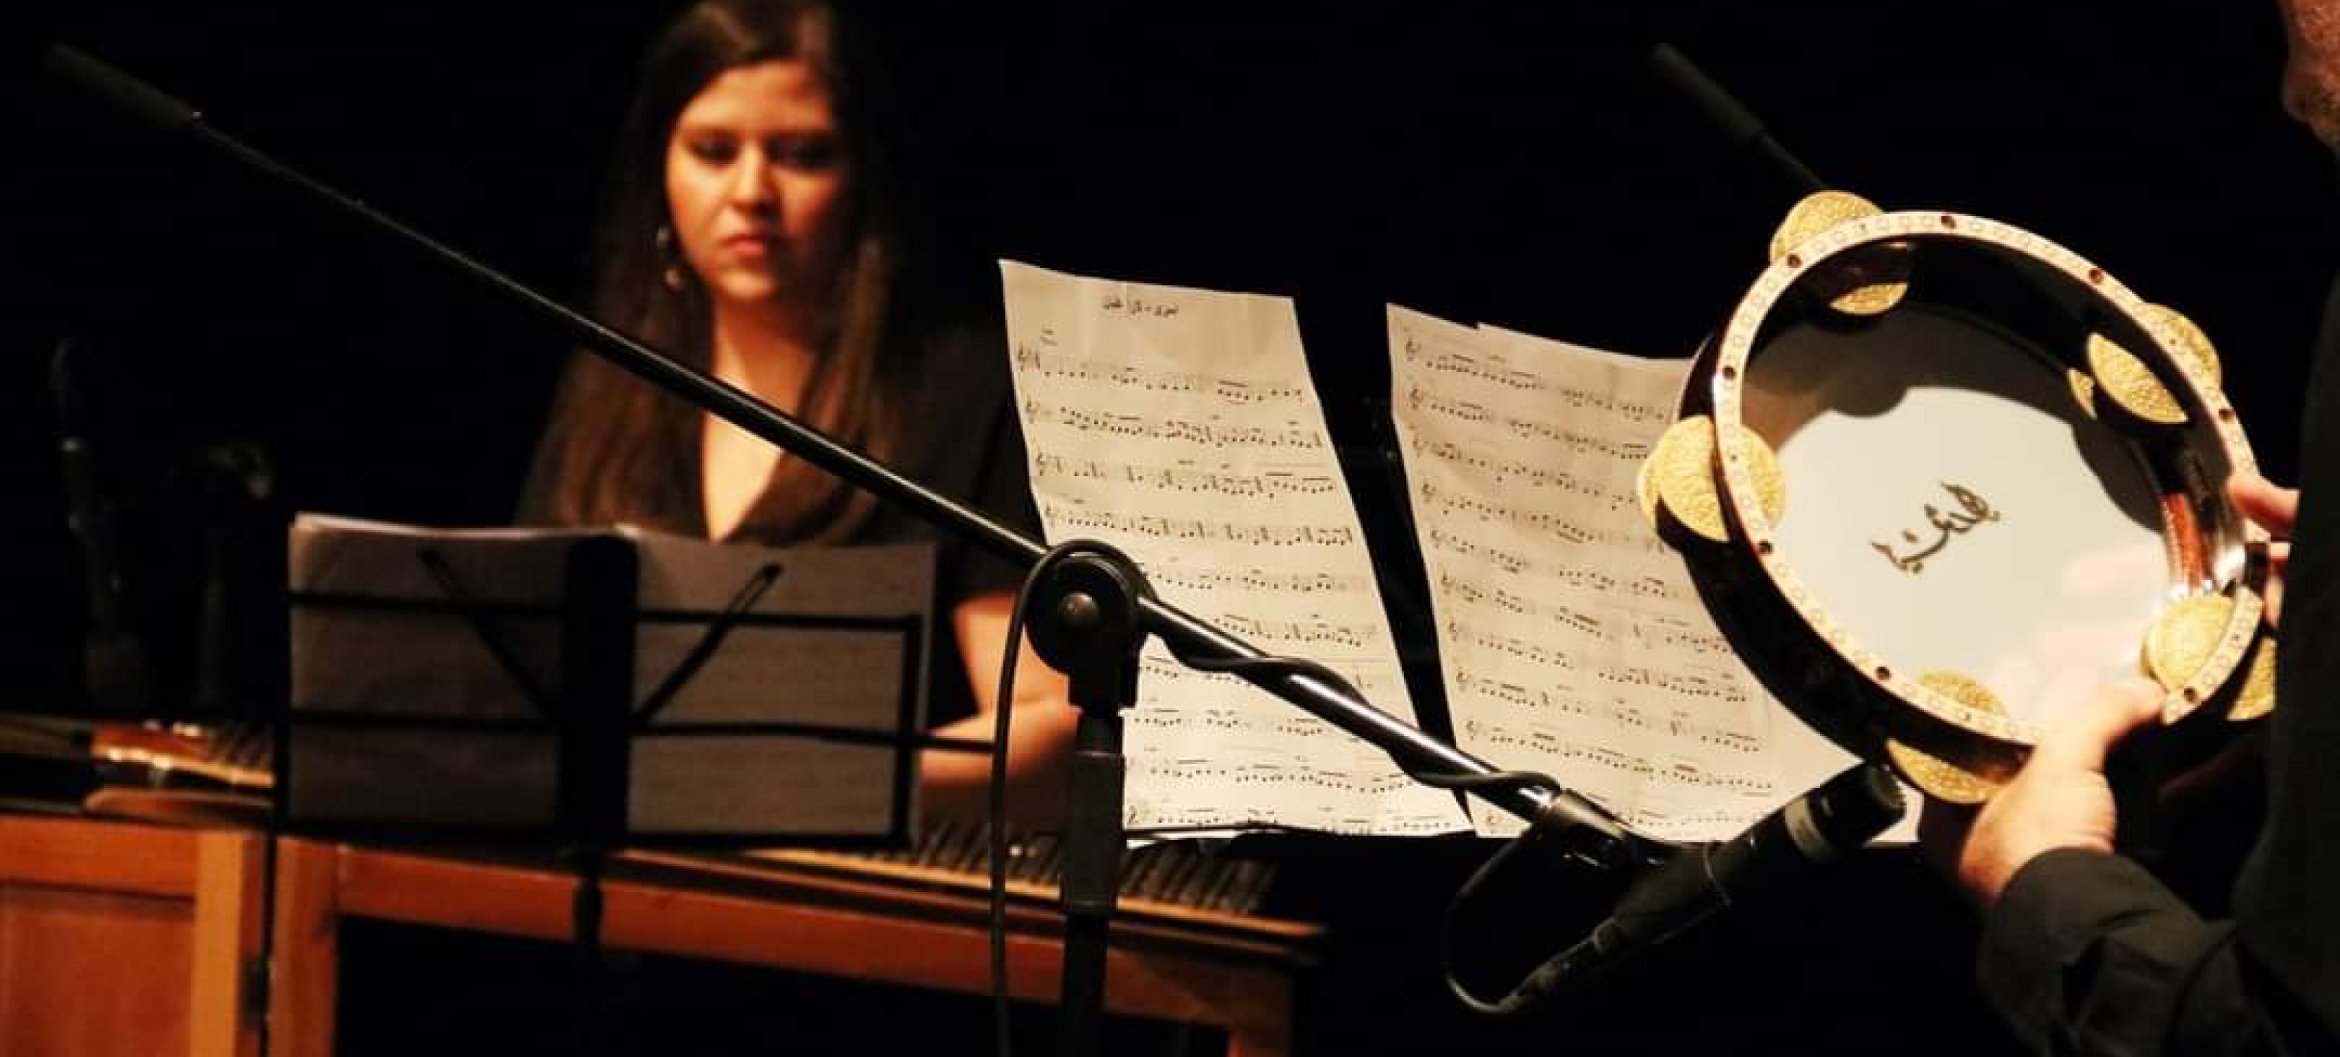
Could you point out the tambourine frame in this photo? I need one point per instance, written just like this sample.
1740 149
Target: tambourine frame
1726 367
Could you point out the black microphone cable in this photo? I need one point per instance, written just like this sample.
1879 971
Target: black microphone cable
996 798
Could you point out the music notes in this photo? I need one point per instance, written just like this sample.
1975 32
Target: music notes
1572 640
1030 360
1290 434
1179 425
1087 519
1270 480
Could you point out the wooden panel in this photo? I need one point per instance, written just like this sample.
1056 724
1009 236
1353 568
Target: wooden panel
904 950
304 959
126 939
93 974
101 856
1249 996
230 873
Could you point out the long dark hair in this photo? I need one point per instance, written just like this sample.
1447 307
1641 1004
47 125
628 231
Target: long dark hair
617 450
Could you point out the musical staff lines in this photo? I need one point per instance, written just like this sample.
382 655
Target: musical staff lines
1239 391
1180 426
1507 470
1254 578
1268 482
1290 434
1572 639
1534 429
1078 520
1566 526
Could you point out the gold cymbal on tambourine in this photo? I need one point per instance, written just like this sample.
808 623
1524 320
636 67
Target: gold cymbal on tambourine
2125 380
1939 778
2128 383
2190 337
2256 696
1680 472
2083 386
1679 478
2184 636
2254 689
1933 775
1815 213
1866 283
1645 488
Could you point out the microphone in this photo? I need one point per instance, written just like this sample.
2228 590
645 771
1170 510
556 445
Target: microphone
1811 831
147 102
1730 118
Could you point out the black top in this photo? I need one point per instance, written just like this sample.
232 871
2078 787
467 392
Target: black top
2088 953
960 439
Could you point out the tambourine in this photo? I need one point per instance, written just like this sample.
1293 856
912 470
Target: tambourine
1937 477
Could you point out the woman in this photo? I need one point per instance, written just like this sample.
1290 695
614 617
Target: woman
751 231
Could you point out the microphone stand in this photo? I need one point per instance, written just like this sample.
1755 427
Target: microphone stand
1094 609
1089 629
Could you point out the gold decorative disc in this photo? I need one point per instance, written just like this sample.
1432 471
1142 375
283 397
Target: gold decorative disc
2196 343
2083 389
1645 489
1963 689
1937 777
2125 380
1818 212
1770 482
1681 467
2184 636
2256 696
1865 282
1681 472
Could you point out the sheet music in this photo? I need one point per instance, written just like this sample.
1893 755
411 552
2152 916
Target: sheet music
1573 642
1180 426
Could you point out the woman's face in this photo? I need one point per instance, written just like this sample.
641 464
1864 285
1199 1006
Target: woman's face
756 186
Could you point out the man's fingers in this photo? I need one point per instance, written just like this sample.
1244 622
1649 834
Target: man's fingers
2278 564
2258 499
2274 509
1941 832
2079 739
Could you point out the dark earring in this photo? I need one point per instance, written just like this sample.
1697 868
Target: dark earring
673 274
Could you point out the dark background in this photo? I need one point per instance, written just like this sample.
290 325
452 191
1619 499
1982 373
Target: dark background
1502 162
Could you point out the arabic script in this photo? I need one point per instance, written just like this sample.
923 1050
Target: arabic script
1973 510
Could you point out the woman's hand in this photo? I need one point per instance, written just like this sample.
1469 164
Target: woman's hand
957 784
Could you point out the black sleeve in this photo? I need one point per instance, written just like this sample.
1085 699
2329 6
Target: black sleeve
2087 953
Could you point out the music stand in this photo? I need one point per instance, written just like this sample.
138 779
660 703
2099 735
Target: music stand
574 688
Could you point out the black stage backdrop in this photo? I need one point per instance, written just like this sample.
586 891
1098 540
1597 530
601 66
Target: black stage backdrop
1503 162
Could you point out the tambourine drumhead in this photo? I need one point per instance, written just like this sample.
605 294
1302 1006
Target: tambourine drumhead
1975 533
1956 510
